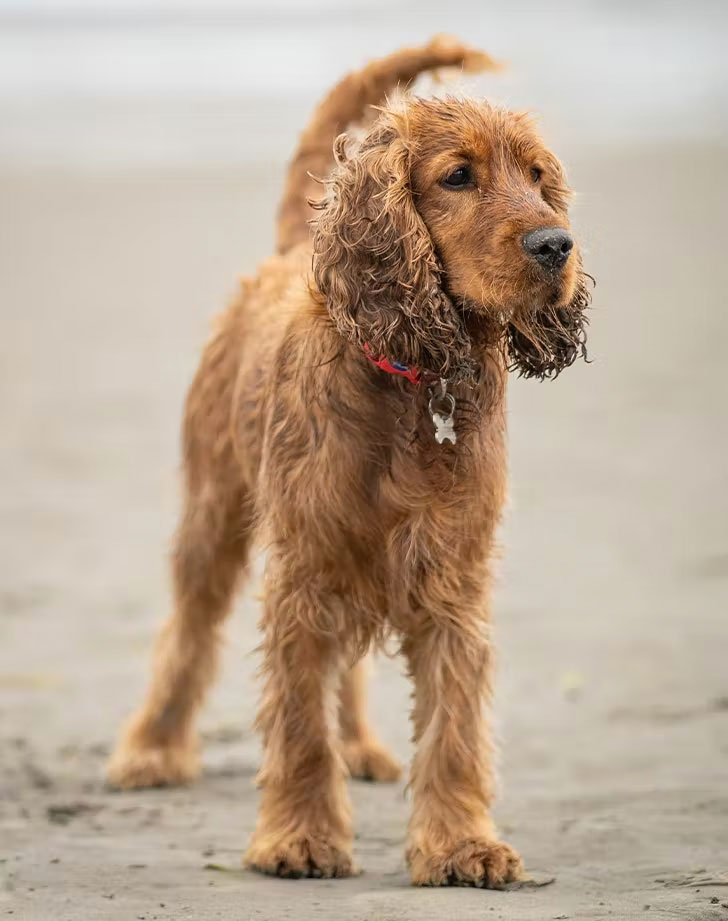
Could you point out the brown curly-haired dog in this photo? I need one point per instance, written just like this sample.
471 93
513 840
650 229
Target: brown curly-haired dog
353 416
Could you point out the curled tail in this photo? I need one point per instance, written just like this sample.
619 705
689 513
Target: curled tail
346 103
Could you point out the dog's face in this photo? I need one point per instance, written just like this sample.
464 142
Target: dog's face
494 200
452 220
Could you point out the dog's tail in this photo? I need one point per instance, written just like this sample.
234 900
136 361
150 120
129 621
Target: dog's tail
347 103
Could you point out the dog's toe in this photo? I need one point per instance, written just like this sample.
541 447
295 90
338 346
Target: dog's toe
296 856
136 767
482 862
369 760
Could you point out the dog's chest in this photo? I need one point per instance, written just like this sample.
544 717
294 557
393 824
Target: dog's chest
442 453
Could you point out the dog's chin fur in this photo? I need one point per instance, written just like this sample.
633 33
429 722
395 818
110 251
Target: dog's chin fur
542 342
537 340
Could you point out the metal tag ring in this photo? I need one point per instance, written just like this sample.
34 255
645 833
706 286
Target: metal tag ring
439 398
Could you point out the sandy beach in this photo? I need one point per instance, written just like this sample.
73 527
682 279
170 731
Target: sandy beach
611 705
612 697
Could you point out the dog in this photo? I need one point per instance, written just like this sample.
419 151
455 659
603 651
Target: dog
348 413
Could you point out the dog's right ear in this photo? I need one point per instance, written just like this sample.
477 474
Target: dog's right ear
375 264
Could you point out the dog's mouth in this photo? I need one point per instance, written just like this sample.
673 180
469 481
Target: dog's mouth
542 341
539 338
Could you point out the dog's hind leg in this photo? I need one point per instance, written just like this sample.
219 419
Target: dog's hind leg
365 756
158 746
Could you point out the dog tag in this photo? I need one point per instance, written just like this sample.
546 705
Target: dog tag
444 428
444 422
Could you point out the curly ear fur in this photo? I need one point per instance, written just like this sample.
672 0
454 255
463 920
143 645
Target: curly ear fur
375 264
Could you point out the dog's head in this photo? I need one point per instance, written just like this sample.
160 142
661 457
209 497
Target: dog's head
448 225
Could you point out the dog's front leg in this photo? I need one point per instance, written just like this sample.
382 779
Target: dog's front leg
452 839
304 822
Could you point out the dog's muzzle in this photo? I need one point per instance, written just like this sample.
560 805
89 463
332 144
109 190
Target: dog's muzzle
549 246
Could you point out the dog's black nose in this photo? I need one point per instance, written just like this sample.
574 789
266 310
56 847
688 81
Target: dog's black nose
550 246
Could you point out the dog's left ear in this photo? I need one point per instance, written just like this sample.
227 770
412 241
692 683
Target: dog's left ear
375 264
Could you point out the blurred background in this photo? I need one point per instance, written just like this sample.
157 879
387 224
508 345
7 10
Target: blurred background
142 149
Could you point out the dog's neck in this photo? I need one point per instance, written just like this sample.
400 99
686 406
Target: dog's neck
398 368
406 388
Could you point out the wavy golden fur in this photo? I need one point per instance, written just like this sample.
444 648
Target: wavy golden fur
373 529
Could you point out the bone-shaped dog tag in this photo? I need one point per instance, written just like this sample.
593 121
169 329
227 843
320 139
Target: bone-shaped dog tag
444 428
444 422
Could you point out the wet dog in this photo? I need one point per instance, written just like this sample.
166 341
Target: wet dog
349 413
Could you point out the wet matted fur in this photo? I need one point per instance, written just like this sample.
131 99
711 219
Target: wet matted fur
293 436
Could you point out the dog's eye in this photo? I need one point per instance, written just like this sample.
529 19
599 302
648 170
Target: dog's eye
459 177
536 173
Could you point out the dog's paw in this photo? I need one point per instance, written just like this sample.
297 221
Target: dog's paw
133 767
368 760
297 856
483 862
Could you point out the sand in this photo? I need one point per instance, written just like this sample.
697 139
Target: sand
612 692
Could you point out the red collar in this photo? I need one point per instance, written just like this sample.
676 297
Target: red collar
397 367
